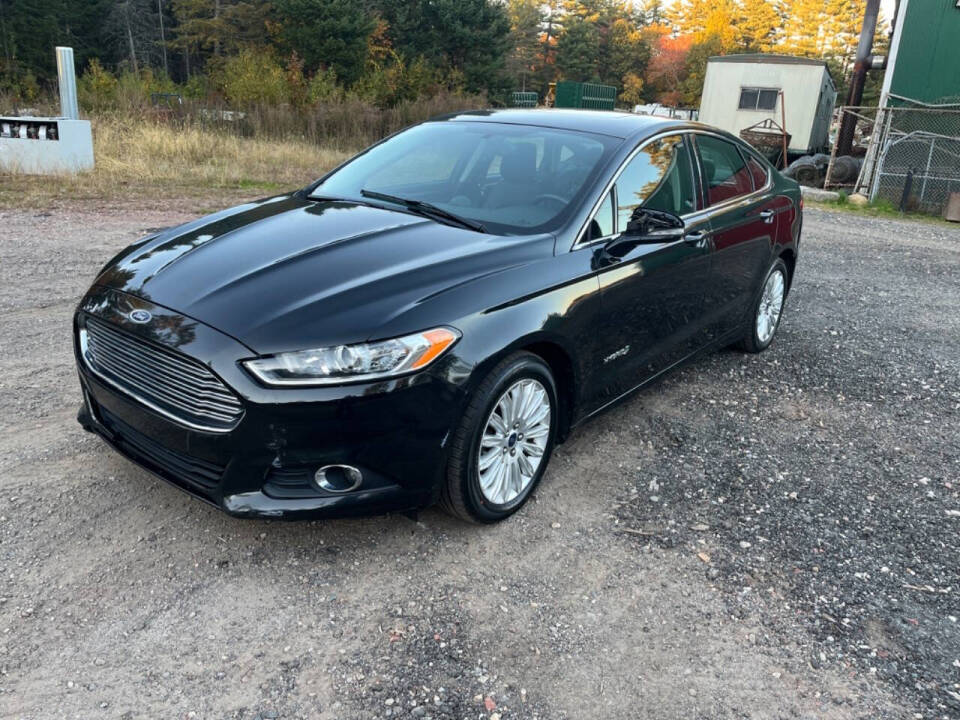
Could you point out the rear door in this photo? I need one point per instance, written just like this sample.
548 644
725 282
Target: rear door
743 224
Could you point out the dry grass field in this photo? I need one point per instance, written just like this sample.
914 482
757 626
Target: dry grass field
150 161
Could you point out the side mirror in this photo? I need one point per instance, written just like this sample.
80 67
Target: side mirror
654 226
644 227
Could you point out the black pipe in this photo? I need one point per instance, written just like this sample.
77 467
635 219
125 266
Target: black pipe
907 189
863 63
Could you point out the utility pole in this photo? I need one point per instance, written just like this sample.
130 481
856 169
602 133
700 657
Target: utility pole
163 39
133 49
3 34
216 27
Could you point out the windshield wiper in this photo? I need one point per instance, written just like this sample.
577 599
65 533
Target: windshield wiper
426 209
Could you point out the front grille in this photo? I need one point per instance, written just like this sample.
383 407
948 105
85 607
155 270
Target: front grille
183 469
174 385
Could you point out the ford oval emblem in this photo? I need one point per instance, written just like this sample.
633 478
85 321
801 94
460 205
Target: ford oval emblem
140 316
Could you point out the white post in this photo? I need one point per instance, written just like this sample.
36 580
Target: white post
67 76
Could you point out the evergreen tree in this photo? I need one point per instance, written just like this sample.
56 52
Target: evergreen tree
629 54
327 33
468 38
577 50
132 28
758 21
29 32
525 19
696 68
650 12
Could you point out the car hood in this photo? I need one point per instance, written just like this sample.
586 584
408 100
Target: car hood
291 273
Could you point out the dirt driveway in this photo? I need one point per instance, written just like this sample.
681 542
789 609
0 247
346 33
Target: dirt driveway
755 537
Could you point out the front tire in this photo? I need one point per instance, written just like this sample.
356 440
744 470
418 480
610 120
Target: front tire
767 310
503 443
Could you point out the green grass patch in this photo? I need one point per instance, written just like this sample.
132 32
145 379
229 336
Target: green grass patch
876 208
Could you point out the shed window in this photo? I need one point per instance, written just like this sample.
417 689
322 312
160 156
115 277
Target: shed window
758 98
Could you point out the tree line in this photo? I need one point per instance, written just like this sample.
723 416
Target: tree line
389 51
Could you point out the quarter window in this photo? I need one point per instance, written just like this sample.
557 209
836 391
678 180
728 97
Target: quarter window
752 98
602 223
659 177
758 171
724 171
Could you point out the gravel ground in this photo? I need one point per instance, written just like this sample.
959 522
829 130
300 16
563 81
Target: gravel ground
770 536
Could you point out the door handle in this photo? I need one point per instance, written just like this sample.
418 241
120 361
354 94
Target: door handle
698 237
767 216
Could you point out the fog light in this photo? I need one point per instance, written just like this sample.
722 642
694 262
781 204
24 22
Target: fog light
338 478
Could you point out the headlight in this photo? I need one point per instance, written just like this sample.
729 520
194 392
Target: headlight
354 363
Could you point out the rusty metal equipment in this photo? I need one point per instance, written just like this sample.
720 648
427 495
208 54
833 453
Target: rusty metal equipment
768 137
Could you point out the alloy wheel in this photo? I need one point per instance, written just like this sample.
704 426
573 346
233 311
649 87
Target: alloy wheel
771 305
514 440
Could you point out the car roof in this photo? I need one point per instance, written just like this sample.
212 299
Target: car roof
605 122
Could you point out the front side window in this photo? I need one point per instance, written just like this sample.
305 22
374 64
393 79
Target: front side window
513 179
725 172
752 98
659 177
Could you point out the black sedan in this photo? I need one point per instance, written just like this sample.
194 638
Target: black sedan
428 320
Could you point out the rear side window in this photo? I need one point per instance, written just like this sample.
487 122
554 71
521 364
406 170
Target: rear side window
758 171
724 171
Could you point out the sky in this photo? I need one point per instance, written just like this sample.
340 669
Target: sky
886 7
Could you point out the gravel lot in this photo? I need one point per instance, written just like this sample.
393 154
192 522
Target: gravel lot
774 536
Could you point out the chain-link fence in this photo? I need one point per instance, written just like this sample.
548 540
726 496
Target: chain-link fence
918 171
910 154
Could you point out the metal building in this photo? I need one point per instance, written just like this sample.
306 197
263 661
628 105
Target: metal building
913 138
924 62
743 90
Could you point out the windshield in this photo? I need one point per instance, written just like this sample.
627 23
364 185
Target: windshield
513 179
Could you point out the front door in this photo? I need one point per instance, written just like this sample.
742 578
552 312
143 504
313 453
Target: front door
652 297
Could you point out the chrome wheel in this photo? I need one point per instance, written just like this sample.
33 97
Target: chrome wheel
514 439
771 304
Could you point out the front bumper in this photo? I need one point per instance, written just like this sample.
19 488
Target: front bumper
395 432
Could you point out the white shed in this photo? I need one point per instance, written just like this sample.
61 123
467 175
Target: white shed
742 90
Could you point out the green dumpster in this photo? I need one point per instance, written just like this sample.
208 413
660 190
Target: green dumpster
586 95
523 99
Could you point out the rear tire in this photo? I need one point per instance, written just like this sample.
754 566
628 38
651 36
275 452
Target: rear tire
494 466
767 310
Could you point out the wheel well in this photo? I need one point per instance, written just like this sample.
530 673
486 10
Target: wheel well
790 260
562 368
